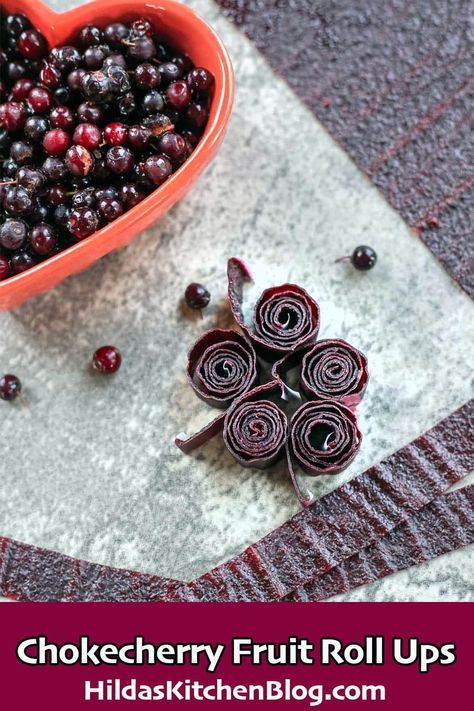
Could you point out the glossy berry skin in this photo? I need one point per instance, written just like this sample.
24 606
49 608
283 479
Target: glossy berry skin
157 168
363 258
13 234
43 239
40 100
87 135
56 142
169 71
131 194
57 195
147 76
119 160
54 168
21 261
139 137
62 117
142 49
107 360
21 152
82 222
32 45
178 95
79 161
16 24
50 77
173 146
90 113
115 33
115 133
153 102
5 270
13 116
65 58
89 35
109 208
196 296
33 179
200 79
197 114
84 198
21 88
35 127
10 387
18 201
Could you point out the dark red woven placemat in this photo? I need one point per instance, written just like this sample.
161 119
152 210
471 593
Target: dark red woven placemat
393 83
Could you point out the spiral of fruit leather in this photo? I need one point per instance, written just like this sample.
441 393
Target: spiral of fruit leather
324 437
334 370
222 365
256 428
285 319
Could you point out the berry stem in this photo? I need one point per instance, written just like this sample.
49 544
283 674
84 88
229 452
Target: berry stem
343 259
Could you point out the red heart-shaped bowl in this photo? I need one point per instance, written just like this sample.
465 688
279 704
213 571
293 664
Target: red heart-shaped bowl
183 28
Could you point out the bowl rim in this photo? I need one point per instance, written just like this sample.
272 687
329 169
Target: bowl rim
175 185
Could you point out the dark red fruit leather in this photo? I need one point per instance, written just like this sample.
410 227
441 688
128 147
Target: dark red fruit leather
222 366
393 83
344 442
335 370
311 544
347 520
285 317
256 429
444 525
38 575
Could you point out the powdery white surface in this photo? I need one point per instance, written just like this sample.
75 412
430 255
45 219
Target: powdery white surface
90 468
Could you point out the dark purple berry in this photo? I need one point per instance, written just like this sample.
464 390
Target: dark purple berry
79 161
107 360
35 128
109 208
82 222
13 234
21 262
200 79
43 239
5 270
10 387
157 168
197 296
363 258
178 95
119 160
32 44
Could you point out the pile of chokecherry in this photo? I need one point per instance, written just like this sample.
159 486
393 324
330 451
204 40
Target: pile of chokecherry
88 130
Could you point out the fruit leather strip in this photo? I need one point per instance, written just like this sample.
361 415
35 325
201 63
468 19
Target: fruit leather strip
34 574
393 84
222 365
334 370
256 429
324 437
285 317
444 525
347 520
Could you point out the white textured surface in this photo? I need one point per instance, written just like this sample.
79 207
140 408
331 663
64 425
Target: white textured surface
90 469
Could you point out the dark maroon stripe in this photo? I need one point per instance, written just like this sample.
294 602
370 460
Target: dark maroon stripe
38 575
393 83
347 520
444 525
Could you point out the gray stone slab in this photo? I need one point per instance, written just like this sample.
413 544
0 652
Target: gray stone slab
90 468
